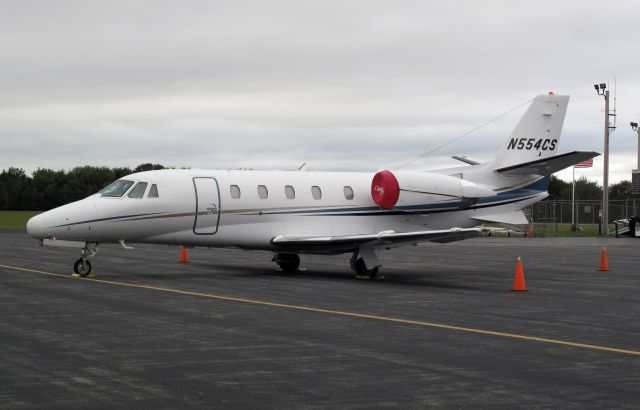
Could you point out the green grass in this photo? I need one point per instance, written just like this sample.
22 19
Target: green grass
563 230
15 219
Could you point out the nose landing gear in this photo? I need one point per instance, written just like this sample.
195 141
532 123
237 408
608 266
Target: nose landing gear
82 267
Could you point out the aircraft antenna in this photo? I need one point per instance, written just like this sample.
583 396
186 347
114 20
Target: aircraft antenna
463 134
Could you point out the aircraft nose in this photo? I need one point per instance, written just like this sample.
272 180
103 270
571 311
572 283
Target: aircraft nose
35 226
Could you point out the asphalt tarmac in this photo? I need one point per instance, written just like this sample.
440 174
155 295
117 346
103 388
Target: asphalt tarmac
229 331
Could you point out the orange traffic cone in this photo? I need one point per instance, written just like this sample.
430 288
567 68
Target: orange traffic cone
604 262
184 258
518 279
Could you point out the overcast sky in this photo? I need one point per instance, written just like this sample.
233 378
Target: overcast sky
341 85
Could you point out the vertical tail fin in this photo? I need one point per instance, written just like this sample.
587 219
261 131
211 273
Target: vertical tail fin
537 134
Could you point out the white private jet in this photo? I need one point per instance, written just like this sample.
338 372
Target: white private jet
295 212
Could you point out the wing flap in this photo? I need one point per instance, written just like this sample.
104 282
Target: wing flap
381 239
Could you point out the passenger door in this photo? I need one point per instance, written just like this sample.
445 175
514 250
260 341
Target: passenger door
207 216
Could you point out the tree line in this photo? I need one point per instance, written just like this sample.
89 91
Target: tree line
587 190
46 189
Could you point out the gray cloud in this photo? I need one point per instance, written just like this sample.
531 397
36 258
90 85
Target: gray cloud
354 85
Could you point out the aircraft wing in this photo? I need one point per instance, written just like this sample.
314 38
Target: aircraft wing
382 239
548 166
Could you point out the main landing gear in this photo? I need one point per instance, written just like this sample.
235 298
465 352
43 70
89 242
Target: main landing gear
82 267
288 262
366 264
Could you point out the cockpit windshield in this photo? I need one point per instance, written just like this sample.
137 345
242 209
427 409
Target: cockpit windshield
116 189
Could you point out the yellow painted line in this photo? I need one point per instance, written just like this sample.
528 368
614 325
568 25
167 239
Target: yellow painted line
341 313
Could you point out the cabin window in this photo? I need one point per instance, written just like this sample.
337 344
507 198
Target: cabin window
289 192
235 191
116 189
138 190
348 192
263 193
316 192
153 192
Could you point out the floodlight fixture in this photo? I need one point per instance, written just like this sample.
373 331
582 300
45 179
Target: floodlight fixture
600 88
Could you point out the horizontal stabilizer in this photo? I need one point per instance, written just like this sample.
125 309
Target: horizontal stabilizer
382 239
547 166
466 160
508 218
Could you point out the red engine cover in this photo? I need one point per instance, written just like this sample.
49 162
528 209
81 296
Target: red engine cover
385 189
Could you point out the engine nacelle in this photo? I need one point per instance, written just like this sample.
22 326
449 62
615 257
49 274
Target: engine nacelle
389 189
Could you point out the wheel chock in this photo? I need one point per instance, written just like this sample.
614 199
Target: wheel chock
367 277
91 275
279 269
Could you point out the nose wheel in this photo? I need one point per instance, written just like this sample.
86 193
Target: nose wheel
82 267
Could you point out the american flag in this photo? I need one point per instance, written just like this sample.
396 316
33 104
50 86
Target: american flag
585 164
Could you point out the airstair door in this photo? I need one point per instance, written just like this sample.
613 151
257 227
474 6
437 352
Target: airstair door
207 215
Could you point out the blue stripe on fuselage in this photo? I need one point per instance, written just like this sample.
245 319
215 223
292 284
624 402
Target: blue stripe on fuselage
532 189
514 195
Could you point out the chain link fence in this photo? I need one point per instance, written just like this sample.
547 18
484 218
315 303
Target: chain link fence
586 212
554 218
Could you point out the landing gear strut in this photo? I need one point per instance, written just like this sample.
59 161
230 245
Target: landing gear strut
361 269
82 266
366 264
288 262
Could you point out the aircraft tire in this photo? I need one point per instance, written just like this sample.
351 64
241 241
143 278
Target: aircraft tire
288 262
82 269
361 269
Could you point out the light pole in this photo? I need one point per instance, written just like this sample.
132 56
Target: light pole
634 126
635 174
604 227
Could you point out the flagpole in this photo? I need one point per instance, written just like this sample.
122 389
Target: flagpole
573 201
